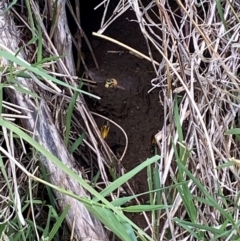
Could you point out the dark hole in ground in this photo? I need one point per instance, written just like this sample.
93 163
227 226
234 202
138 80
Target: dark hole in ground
137 112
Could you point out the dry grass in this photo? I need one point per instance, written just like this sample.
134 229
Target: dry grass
200 63
198 86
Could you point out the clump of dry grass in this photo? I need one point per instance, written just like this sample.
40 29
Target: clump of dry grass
200 65
198 83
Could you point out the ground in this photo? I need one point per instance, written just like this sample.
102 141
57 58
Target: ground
136 111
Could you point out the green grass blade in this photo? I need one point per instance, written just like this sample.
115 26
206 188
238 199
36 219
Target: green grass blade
30 16
206 193
58 223
234 131
40 43
70 113
144 208
221 14
7 9
121 180
111 221
77 143
35 70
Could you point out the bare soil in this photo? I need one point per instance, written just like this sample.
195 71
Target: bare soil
136 111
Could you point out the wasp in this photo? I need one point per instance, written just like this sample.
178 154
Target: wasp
104 130
97 77
153 147
112 83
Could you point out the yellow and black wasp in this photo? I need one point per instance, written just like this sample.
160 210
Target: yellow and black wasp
153 147
104 130
112 83
97 77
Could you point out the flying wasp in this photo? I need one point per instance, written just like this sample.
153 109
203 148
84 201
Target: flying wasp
112 83
97 78
104 130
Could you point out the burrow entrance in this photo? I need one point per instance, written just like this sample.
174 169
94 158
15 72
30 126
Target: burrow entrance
138 112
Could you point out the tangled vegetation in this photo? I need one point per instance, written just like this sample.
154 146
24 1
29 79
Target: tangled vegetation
45 122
